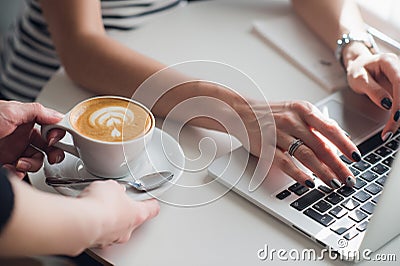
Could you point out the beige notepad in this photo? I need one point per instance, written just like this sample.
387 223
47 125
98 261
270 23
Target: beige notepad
290 36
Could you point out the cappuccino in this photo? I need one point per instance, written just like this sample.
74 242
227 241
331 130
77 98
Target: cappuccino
110 119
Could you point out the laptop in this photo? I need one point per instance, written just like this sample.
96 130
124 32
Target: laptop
346 221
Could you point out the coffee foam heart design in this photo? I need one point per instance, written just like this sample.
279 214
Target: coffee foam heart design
112 117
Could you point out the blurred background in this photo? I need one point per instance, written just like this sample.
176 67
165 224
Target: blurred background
8 11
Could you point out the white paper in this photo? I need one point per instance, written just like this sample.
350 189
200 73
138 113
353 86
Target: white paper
290 36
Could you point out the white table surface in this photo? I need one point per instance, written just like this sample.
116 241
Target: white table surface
230 230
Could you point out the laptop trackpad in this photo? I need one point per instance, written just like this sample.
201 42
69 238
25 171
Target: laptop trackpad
357 124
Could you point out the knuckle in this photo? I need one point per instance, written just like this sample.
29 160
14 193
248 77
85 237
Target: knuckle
305 153
140 218
301 106
37 107
309 107
285 162
305 109
331 128
287 120
321 147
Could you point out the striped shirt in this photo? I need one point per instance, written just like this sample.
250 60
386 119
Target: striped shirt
28 58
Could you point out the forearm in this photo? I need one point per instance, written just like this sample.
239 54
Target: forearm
330 19
91 58
101 64
104 66
43 223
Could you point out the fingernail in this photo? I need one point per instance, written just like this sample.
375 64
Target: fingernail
335 183
350 181
396 115
58 159
386 103
52 141
309 183
356 156
387 136
23 166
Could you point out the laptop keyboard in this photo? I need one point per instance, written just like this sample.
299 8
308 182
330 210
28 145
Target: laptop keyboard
346 211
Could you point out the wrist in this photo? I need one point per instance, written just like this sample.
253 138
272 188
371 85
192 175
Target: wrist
254 116
92 221
353 44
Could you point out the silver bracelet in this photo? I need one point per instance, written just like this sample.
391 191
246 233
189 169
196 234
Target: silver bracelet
348 38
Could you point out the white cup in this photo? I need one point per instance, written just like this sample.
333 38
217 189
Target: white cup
104 158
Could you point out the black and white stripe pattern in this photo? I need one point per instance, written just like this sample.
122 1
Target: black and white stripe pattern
28 57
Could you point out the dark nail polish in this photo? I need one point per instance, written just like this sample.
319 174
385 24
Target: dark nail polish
356 156
396 116
386 103
335 183
350 181
310 184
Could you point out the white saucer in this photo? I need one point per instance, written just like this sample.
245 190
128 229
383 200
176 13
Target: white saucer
163 153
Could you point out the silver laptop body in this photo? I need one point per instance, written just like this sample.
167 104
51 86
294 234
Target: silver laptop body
361 119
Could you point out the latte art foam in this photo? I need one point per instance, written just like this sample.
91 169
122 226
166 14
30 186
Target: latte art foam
113 118
110 119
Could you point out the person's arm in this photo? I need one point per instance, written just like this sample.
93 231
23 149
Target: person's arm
46 224
89 56
42 223
104 66
374 75
330 19
101 64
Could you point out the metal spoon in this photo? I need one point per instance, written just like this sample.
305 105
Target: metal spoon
144 183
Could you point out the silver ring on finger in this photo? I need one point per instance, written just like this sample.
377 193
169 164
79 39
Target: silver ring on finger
294 145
